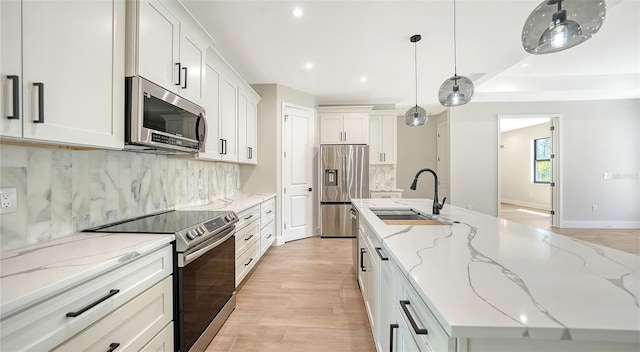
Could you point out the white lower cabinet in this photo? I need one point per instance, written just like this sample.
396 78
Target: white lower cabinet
163 342
247 242
130 327
70 318
403 342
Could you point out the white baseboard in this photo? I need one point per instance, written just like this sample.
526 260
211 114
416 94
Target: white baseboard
525 204
600 224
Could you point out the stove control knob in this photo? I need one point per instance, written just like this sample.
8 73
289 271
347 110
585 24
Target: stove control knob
190 235
200 231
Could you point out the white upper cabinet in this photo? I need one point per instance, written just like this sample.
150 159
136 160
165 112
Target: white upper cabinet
211 104
69 87
247 127
382 139
167 47
157 51
228 119
344 125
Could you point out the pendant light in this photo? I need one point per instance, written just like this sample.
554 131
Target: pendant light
416 116
557 25
457 90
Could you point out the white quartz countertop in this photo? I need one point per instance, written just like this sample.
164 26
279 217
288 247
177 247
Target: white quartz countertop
487 277
239 203
31 274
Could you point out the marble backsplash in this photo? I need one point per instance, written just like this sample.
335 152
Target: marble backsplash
382 176
62 191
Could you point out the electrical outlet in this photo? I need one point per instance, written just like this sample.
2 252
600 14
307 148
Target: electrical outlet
594 207
8 200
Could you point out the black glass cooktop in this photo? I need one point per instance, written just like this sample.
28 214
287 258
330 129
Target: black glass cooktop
169 222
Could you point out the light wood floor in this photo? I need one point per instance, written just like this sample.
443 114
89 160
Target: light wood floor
302 296
627 240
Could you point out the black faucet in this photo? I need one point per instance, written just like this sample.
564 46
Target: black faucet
436 206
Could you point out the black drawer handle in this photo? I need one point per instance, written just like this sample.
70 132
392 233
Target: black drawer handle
86 308
391 328
113 346
16 97
415 327
379 251
362 252
249 262
40 87
248 238
269 211
249 217
269 236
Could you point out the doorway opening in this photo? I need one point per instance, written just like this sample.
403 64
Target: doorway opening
528 169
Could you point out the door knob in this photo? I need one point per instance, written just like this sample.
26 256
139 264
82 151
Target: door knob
310 189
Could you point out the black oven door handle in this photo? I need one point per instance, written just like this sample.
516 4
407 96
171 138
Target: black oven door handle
185 259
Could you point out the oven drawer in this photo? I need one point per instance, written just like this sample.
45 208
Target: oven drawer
246 261
247 236
248 216
267 212
130 327
50 316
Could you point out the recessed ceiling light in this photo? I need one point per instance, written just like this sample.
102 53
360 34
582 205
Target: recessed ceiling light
297 12
308 66
363 79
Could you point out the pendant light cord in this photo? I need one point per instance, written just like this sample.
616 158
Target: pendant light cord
415 66
455 45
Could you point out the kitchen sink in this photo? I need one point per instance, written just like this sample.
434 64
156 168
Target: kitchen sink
399 214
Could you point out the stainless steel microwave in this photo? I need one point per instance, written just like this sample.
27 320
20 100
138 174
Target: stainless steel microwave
159 121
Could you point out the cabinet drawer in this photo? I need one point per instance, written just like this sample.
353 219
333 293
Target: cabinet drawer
246 262
385 194
267 236
436 339
131 326
267 212
50 319
248 216
246 237
163 342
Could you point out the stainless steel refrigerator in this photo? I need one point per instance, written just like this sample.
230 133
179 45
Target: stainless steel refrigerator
345 175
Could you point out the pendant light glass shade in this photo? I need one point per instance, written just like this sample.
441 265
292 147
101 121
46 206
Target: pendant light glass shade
556 25
456 91
416 116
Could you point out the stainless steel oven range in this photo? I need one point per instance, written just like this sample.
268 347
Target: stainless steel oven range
204 269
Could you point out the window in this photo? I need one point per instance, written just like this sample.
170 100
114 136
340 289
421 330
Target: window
542 160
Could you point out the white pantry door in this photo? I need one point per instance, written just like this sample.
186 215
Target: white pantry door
298 172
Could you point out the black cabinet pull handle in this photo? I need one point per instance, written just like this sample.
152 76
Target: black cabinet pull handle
379 251
40 87
269 211
224 143
185 78
249 262
362 252
16 97
179 74
269 236
248 238
249 217
91 305
415 327
391 327
113 346
221 146
310 189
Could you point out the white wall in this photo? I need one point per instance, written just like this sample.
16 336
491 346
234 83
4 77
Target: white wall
416 150
267 175
595 136
516 166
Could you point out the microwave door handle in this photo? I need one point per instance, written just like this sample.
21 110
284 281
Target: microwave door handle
201 129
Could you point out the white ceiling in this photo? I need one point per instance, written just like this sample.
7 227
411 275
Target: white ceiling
348 40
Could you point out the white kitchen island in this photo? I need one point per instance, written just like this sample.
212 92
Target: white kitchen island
479 283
